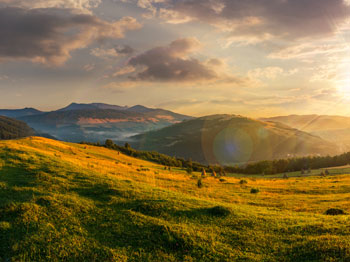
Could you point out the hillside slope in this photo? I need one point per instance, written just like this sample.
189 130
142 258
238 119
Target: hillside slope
70 202
230 139
332 128
11 128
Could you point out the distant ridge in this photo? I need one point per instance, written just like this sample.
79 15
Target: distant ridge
15 113
78 106
98 121
335 129
232 139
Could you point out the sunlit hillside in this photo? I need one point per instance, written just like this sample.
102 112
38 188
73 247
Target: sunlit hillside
332 128
232 139
72 202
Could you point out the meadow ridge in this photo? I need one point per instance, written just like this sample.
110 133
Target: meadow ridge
70 202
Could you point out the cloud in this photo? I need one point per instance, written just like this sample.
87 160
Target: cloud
267 72
125 50
89 67
271 72
3 77
307 50
83 6
104 53
48 36
124 70
173 63
112 52
260 20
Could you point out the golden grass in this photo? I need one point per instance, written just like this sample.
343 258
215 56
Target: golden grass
311 194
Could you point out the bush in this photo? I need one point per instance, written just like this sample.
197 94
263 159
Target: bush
335 212
254 190
219 211
199 183
242 182
189 170
109 143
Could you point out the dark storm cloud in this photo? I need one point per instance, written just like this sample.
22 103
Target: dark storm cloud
171 63
285 19
49 35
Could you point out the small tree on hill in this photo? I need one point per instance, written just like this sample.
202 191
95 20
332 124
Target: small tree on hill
109 143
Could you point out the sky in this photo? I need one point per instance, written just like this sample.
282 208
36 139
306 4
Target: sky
197 57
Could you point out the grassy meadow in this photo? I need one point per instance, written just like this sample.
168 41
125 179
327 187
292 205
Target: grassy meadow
70 202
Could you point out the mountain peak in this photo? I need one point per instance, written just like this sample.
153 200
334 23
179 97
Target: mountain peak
82 106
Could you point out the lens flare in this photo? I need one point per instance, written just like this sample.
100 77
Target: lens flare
232 145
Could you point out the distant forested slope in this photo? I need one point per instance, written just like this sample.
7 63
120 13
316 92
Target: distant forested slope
11 128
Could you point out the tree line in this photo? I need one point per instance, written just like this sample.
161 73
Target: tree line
291 164
261 167
152 156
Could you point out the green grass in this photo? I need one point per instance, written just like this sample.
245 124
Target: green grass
69 202
314 172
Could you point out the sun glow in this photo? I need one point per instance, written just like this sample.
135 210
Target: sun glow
343 78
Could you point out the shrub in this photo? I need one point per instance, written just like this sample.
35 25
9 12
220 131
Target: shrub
199 183
254 190
109 143
219 211
242 182
335 211
189 170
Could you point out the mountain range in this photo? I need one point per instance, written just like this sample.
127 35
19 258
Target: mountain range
216 139
96 121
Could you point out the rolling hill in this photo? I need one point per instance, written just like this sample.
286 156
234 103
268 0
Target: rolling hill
230 139
70 202
11 128
335 129
97 121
